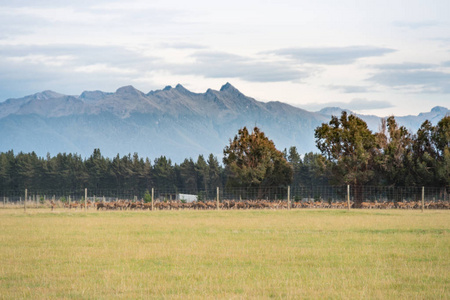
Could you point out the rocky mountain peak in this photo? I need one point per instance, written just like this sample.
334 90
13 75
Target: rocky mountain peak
129 89
46 95
182 89
333 111
92 95
439 109
229 88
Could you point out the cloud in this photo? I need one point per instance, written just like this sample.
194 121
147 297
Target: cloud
422 81
74 68
364 104
182 45
332 55
75 55
354 105
348 89
404 66
46 3
225 65
415 25
446 64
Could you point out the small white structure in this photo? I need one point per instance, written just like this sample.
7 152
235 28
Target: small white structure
187 197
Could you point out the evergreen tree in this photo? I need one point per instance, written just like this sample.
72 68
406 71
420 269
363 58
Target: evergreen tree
350 147
253 161
202 170
214 173
395 153
164 174
188 176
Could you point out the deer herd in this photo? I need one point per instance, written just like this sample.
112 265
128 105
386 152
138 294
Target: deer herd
249 204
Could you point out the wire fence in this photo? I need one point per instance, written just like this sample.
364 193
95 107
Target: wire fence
274 197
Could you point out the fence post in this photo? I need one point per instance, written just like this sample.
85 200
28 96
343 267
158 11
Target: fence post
153 196
348 197
25 201
217 198
289 196
85 198
423 197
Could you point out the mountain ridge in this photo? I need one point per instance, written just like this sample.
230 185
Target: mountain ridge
174 122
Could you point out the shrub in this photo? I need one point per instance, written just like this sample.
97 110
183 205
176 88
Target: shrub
147 197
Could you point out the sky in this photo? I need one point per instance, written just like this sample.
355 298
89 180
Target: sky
372 57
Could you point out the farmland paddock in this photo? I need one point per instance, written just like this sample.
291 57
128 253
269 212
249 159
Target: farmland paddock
195 254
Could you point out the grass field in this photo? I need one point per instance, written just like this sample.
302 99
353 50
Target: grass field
225 254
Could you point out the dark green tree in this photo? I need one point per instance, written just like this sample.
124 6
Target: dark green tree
252 161
215 173
188 176
314 170
394 159
202 170
441 138
98 169
431 153
350 147
163 174
7 170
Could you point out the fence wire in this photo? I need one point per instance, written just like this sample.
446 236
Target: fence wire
299 196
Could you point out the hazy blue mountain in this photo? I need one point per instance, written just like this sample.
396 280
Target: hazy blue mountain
173 122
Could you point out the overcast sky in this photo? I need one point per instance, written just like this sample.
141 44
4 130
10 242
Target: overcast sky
373 57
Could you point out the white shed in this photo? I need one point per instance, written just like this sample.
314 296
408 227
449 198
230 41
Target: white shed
187 197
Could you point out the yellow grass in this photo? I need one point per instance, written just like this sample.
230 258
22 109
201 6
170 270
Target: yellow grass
224 254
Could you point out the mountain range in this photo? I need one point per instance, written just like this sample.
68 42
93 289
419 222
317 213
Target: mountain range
173 122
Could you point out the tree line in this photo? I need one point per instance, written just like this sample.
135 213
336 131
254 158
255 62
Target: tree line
130 172
349 154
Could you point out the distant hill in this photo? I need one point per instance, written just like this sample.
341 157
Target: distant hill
173 122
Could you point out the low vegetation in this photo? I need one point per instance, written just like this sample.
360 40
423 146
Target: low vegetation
224 254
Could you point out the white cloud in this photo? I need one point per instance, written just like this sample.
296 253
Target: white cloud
355 104
415 81
350 89
226 65
332 55
415 25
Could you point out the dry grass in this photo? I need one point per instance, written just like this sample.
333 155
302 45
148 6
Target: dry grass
226 254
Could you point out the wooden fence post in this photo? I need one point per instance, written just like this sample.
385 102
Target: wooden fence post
348 196
153 196
289 196
218 198
423 198
25 201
